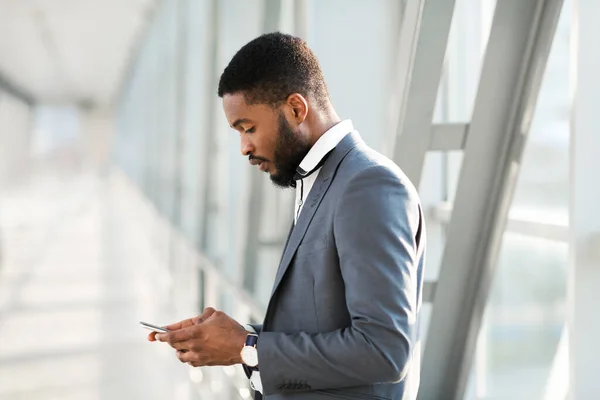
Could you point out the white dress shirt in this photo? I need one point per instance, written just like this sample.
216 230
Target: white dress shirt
324 145
327 142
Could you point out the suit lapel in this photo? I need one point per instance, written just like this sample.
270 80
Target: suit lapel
311 204
287 240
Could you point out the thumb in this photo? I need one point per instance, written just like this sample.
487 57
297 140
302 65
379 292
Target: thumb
208 312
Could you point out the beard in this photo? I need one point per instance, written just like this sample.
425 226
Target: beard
290 150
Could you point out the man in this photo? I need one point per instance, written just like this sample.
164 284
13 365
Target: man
343 318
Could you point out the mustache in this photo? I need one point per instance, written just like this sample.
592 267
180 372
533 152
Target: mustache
251 157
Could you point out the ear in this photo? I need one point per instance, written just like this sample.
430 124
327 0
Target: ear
298 106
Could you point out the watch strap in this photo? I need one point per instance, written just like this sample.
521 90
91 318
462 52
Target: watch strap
251 339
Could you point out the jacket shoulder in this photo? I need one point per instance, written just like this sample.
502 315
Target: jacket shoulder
363 160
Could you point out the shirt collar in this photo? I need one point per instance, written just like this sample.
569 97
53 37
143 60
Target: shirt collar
324 145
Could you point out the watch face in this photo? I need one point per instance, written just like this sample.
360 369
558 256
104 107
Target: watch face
250 356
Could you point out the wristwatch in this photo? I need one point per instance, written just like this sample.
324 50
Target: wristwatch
249 352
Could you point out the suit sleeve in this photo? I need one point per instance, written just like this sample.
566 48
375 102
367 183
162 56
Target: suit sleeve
375 227
257 328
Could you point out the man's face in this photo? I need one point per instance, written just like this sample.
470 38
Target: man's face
267 137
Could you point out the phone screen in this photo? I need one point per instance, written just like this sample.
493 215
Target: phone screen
152 327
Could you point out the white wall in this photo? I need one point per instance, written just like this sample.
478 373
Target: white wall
97 135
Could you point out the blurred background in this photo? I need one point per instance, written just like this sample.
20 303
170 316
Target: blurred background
123 195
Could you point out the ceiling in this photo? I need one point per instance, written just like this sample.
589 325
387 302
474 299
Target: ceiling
65 51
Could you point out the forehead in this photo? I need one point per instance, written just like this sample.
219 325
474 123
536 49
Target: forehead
237 109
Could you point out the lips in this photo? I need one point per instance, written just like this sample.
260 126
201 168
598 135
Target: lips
262 164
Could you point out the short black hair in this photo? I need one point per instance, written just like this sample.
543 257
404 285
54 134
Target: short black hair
271 67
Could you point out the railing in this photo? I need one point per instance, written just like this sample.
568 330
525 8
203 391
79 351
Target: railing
187 280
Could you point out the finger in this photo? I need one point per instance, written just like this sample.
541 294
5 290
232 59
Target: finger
181 346
187 357
171 337
181 324
217 315
208 311
152 336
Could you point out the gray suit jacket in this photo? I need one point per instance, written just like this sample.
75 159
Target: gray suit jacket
343 318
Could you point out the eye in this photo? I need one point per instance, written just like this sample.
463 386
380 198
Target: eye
251 130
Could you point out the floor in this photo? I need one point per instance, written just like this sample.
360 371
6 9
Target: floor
74 282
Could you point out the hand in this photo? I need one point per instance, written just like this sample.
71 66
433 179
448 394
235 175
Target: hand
216 339
185 323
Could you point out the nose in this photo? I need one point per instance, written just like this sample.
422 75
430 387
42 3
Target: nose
246 146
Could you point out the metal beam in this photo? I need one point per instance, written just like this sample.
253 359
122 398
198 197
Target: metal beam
253 229
429 288
133 57
516 55
16 91
271 22
301 19
558 232
448 137
271 15
549 231
421 50
278 242
211 141
179 157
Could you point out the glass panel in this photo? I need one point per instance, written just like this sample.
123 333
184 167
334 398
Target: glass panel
542 192
357 62
525 315
453 164
468 38
239 22
197 95
425 320
523 321
432 195
437 189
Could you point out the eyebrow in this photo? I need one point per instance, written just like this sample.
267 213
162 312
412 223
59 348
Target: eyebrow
240 121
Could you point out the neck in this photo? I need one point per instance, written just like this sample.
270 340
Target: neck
322 122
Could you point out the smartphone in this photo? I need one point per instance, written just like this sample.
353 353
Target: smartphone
153 328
